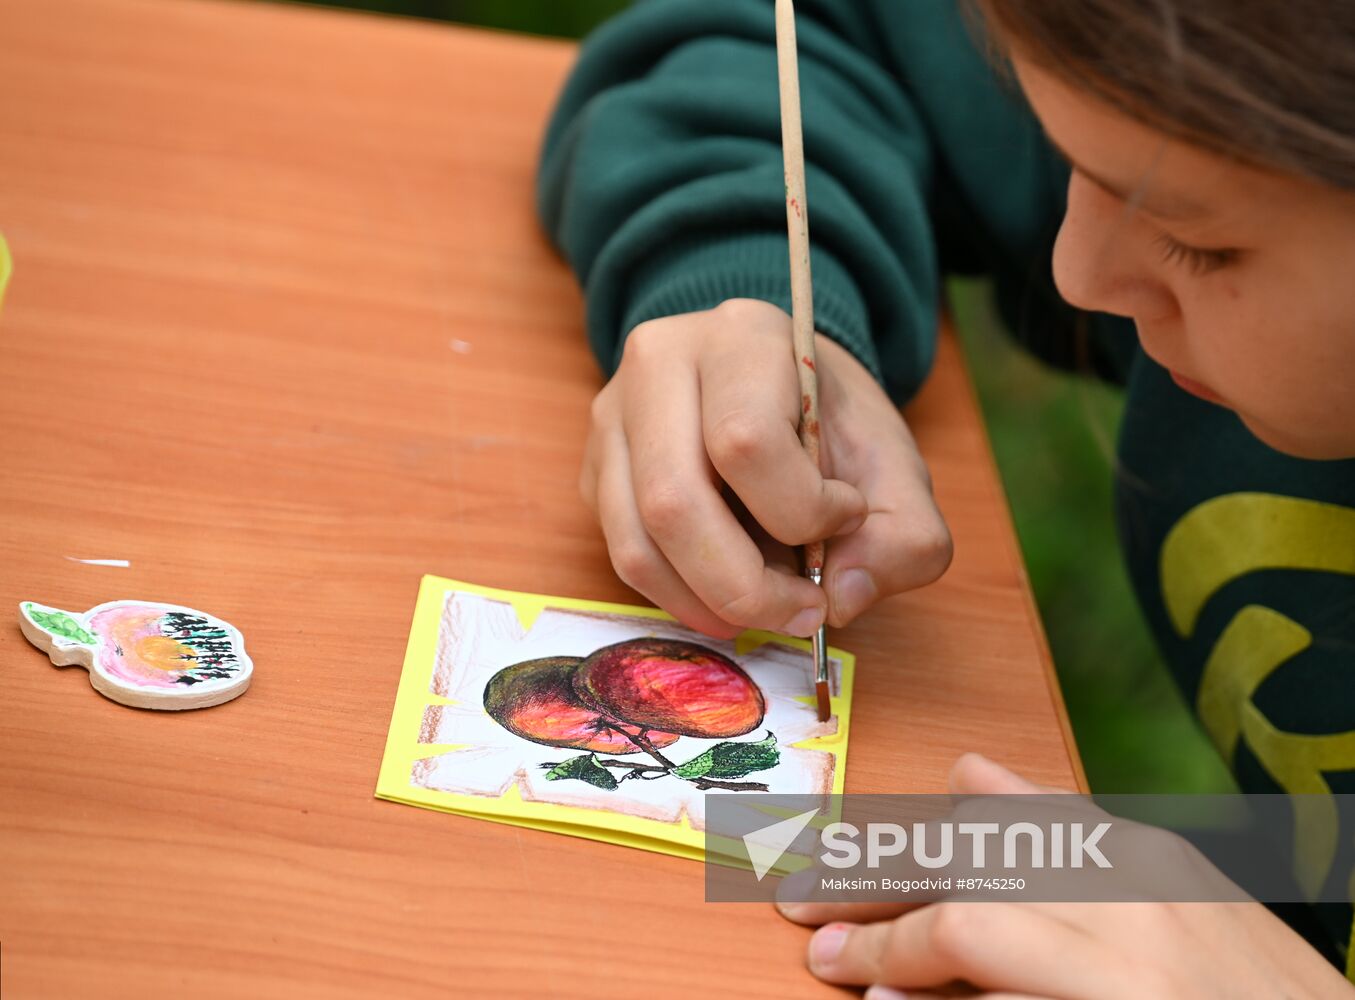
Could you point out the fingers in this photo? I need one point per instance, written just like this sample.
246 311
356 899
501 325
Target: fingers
590 468
904 542
995 946
683 513
605 485
972 775
750 420
975 774
889 993
777 555
635 557
818 914
699 409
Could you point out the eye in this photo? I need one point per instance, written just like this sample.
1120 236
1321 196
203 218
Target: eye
1198 260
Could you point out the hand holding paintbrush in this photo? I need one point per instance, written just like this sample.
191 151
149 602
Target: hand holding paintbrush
802 297
695 465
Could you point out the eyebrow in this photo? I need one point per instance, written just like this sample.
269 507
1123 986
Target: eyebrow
1164 207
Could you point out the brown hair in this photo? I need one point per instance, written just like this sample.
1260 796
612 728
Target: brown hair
1270 82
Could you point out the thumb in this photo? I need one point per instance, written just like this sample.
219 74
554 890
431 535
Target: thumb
975 774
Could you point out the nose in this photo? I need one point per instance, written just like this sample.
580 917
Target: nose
1100 262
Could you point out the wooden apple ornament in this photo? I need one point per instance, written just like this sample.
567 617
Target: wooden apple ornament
143 654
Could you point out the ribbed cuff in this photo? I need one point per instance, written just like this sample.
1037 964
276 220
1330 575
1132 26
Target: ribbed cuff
700 273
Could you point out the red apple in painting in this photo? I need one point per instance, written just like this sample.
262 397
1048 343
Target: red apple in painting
670 686
537 701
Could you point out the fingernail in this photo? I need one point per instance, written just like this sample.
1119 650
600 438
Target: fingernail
855 591
827 944
885 993
787 909
806 623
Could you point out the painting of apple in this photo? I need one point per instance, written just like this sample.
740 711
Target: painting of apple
670 685
640 695
536 700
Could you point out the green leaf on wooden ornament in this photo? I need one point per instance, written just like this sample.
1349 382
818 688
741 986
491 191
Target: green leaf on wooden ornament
60 624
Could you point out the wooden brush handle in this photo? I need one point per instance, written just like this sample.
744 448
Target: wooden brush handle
797 225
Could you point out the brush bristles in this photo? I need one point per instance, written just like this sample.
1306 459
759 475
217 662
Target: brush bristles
825 706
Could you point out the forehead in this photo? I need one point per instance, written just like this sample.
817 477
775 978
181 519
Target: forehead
1159 174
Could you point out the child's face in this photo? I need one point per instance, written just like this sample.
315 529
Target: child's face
1241 283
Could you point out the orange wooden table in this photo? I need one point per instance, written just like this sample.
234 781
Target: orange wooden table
282 334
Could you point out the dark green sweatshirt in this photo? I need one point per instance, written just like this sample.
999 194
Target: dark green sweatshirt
661 183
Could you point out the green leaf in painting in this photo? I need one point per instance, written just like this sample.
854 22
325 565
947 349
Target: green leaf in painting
585 768
60 624
732 760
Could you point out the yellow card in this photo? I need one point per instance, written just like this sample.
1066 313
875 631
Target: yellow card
6 267
604 721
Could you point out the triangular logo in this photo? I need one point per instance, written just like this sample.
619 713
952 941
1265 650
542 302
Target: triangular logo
765 846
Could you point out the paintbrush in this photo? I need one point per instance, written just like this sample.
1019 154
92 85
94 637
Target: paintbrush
801 297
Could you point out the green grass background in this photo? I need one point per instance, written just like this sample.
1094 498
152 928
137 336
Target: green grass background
1053 436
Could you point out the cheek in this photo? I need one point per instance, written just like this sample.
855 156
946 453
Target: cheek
1229 336
1282 362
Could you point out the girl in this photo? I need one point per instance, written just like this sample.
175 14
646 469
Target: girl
1165 197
